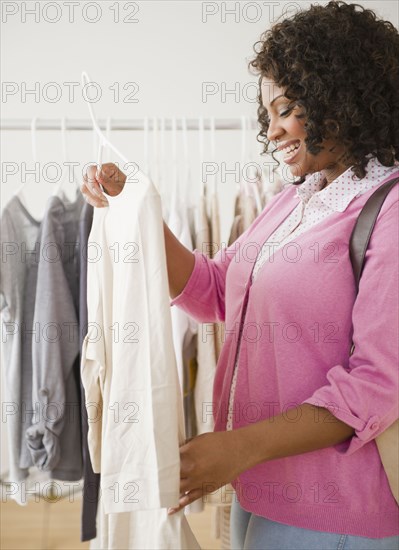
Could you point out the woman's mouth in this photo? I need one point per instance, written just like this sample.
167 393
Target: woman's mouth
291 152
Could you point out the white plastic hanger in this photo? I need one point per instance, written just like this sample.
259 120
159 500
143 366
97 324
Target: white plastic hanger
85 79
34 204
33 134
60 189
30 184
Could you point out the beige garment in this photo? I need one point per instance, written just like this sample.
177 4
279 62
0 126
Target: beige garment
216 241
184 327
237 227
206 351
220 521
245 212
250 211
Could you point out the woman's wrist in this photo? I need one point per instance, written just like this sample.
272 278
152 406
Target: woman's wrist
245 447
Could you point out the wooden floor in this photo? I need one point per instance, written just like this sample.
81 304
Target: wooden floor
51 526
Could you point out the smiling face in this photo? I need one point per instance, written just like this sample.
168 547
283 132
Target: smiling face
287 131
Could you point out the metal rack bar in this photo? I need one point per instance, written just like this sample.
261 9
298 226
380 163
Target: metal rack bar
120 124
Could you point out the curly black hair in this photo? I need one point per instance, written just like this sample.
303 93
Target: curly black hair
340 64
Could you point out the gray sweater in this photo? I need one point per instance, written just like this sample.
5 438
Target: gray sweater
19 261
54 438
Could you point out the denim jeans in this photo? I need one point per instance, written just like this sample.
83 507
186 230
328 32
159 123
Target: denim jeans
251 532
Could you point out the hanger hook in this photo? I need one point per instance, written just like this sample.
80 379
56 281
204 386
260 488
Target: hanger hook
85 80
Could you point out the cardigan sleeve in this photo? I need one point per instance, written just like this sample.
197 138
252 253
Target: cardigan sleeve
203 296
365 395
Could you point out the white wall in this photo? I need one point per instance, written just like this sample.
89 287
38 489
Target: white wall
170 52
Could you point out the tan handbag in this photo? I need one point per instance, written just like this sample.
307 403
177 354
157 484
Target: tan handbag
388 441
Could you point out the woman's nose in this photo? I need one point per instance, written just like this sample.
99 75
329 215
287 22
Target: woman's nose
274 131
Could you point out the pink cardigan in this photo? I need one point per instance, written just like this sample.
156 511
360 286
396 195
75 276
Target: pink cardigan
302 311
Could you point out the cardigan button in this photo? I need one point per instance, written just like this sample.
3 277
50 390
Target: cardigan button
374 422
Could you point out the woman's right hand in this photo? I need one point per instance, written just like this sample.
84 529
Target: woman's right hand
110 177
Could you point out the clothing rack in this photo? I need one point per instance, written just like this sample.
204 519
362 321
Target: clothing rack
123 124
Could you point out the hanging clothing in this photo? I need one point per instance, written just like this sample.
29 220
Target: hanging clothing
20 257
216 241
286 324
250 211
129 374
245 213
237 227
184 328
91 481
206 351
54 438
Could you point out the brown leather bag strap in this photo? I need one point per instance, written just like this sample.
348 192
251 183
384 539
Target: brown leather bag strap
364 226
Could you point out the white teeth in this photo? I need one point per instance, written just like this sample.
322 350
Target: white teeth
291 148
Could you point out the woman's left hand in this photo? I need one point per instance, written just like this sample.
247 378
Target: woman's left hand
207 462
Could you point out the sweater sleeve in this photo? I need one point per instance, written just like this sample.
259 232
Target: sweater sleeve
203 296
365 395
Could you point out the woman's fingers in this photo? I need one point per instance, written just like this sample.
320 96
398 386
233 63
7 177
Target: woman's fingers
186 499
102 181
92 198
92 182
111 178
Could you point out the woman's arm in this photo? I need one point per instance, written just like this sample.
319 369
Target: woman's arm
299 430
180 261
212 460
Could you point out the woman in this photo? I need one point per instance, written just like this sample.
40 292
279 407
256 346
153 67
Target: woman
295 415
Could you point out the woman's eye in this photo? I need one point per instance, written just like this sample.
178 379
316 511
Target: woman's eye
285 113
